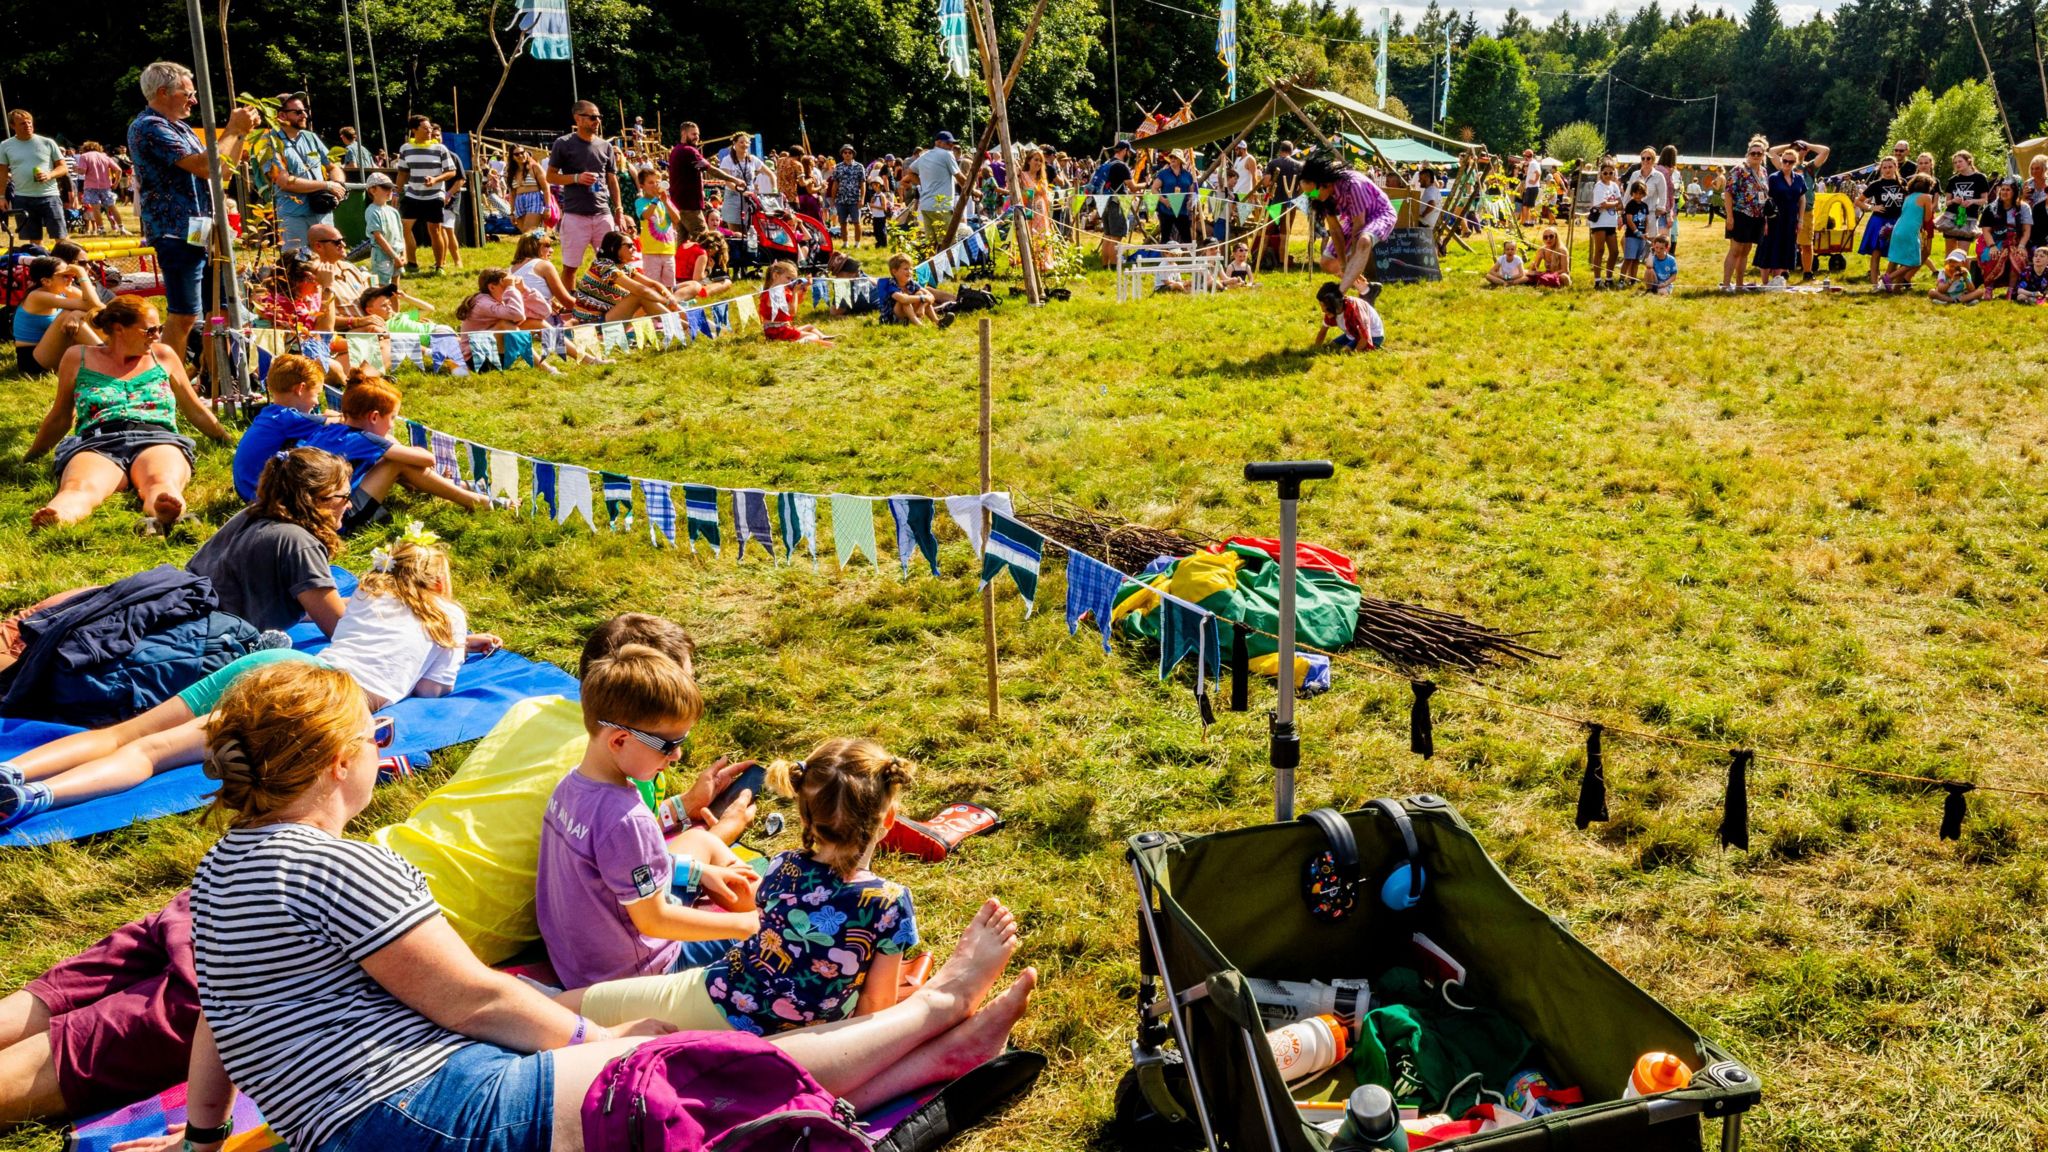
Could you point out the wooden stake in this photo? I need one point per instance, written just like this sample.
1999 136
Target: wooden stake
988 592
455 98
982 17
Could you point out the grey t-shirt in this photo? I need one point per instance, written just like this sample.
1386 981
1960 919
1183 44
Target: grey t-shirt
573 154
259 567
935 171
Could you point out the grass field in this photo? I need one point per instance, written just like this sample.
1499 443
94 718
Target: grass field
1806 524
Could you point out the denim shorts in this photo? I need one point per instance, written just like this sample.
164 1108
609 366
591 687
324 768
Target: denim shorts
121 443
183 267
485 1099
40 216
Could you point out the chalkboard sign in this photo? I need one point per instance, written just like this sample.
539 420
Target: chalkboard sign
1406 256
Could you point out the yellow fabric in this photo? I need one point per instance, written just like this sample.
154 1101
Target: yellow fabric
676 998
1269 665
1195 579
476 838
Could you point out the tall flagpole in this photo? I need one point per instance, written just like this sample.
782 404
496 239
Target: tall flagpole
348 37
570 34
370 40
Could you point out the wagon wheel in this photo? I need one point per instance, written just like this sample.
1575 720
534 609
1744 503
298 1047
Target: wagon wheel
1135 1125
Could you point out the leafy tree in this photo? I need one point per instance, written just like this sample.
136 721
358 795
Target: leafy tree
1961 118
1494 97
1577 140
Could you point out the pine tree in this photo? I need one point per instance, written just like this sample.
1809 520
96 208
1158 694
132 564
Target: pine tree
1469 30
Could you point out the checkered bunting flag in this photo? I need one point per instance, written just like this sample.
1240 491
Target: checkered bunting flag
1091 591
444 455
1016 548
700 506
661 511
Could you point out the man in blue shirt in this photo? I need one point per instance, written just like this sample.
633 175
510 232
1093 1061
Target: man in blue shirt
170 164
298 169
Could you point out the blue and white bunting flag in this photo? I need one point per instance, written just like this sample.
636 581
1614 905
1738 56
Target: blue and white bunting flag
913 516
750 520
1014 547
618 500
661 511
799 512
544 488
700 505
1091 591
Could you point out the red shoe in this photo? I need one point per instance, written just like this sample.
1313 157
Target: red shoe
932 839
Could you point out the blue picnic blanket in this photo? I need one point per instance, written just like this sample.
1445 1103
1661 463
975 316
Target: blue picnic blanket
484 692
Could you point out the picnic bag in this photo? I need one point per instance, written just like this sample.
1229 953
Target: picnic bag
714 1092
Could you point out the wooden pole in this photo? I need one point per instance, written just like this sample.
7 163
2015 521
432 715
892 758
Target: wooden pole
455 98
988 591
988 130
1991 78
982 15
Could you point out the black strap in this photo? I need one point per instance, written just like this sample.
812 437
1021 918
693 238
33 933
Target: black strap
1953 809
1240 671
1735 803
1593 785
1421 739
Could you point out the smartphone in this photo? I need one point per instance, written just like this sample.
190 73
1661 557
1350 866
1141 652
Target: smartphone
752 780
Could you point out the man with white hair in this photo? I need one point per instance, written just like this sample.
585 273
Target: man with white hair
176 210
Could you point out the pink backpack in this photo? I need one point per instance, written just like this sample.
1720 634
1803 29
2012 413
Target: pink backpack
722 1091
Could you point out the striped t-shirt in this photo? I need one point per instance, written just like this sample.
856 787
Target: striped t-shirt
282 918
423 162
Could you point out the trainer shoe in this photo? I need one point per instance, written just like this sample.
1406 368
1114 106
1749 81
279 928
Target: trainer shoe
1372 292
18 802
9 774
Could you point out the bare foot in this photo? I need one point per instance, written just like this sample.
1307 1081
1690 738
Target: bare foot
44 517
985 949
167 507
982 1037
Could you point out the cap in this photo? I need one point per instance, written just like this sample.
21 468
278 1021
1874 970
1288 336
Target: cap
380 180
1957 256
1120 146
1241 146
946 138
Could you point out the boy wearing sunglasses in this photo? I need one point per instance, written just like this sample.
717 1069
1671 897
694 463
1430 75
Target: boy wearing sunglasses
603 885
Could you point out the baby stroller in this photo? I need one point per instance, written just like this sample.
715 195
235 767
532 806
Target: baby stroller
773 231
1359 895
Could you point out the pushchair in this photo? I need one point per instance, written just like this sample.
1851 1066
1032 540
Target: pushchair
1217 911
773 231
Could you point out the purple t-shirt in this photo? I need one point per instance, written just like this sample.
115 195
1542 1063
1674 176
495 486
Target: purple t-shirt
600 850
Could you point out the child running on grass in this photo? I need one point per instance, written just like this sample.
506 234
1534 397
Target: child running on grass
1360 324
778 307
369 413
832 934
605 873
401 635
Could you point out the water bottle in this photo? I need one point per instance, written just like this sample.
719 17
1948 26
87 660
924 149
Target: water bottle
1656 1072
1307 1048
1286 1001
1372 1123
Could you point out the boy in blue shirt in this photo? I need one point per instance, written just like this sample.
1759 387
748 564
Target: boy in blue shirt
369 413
1663 267
294 386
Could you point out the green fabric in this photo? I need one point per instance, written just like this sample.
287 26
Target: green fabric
648 793
1421 1049
204 696
1325 606
1400 151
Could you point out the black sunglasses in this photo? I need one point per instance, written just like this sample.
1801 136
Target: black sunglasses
667 748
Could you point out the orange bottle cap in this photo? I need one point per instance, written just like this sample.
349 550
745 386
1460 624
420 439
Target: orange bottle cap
1661 1072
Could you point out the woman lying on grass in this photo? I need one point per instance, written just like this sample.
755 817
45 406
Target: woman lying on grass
401 636
355 1017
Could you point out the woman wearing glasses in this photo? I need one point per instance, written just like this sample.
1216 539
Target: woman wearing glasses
1778 253
120 400
1746 199
54 315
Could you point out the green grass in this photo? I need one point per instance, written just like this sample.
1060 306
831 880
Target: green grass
1810 524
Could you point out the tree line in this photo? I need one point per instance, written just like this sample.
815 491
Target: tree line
872 71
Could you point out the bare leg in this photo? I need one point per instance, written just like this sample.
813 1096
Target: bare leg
130 764
178 332
28 1081
962 1049
71 327
85 747
88 480
160 475
434 484
22 1016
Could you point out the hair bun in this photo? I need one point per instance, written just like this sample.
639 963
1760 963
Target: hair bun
225 758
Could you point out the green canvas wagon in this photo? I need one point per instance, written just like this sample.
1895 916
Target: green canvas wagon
1217 909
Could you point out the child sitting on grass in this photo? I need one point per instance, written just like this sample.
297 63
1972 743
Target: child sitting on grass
2030 286
1360 324
1508 268
402 635
1553 263
1952 285
294 386
1663 269
832 933
777 303
1238 273
902 300
605 873
369 413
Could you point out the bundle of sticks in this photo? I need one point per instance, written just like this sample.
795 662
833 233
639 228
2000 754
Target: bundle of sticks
1409 635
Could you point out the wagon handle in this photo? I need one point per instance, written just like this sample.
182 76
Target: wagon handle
1285 749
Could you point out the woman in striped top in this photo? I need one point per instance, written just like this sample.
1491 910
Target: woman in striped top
335 993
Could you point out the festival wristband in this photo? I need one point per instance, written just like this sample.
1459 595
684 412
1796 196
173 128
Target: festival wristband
582 1030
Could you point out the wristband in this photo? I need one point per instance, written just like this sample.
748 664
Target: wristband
582 1030
212 1135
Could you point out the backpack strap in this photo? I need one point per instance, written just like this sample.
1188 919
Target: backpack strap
965 1103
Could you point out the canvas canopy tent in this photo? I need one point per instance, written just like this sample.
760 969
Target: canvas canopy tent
1398 150
1234 120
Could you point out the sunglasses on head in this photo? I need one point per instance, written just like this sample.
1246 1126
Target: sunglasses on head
667 748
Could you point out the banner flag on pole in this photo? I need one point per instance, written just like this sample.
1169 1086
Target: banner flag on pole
546 24
953 35
1014 547
1226 44
1443 110
1380 84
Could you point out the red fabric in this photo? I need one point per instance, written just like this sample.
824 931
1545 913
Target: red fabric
1546 279
1312 556
122 1012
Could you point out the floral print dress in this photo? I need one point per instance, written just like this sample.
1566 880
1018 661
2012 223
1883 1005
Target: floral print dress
810 959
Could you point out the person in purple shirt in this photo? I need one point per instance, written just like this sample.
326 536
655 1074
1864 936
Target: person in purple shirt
1364 217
